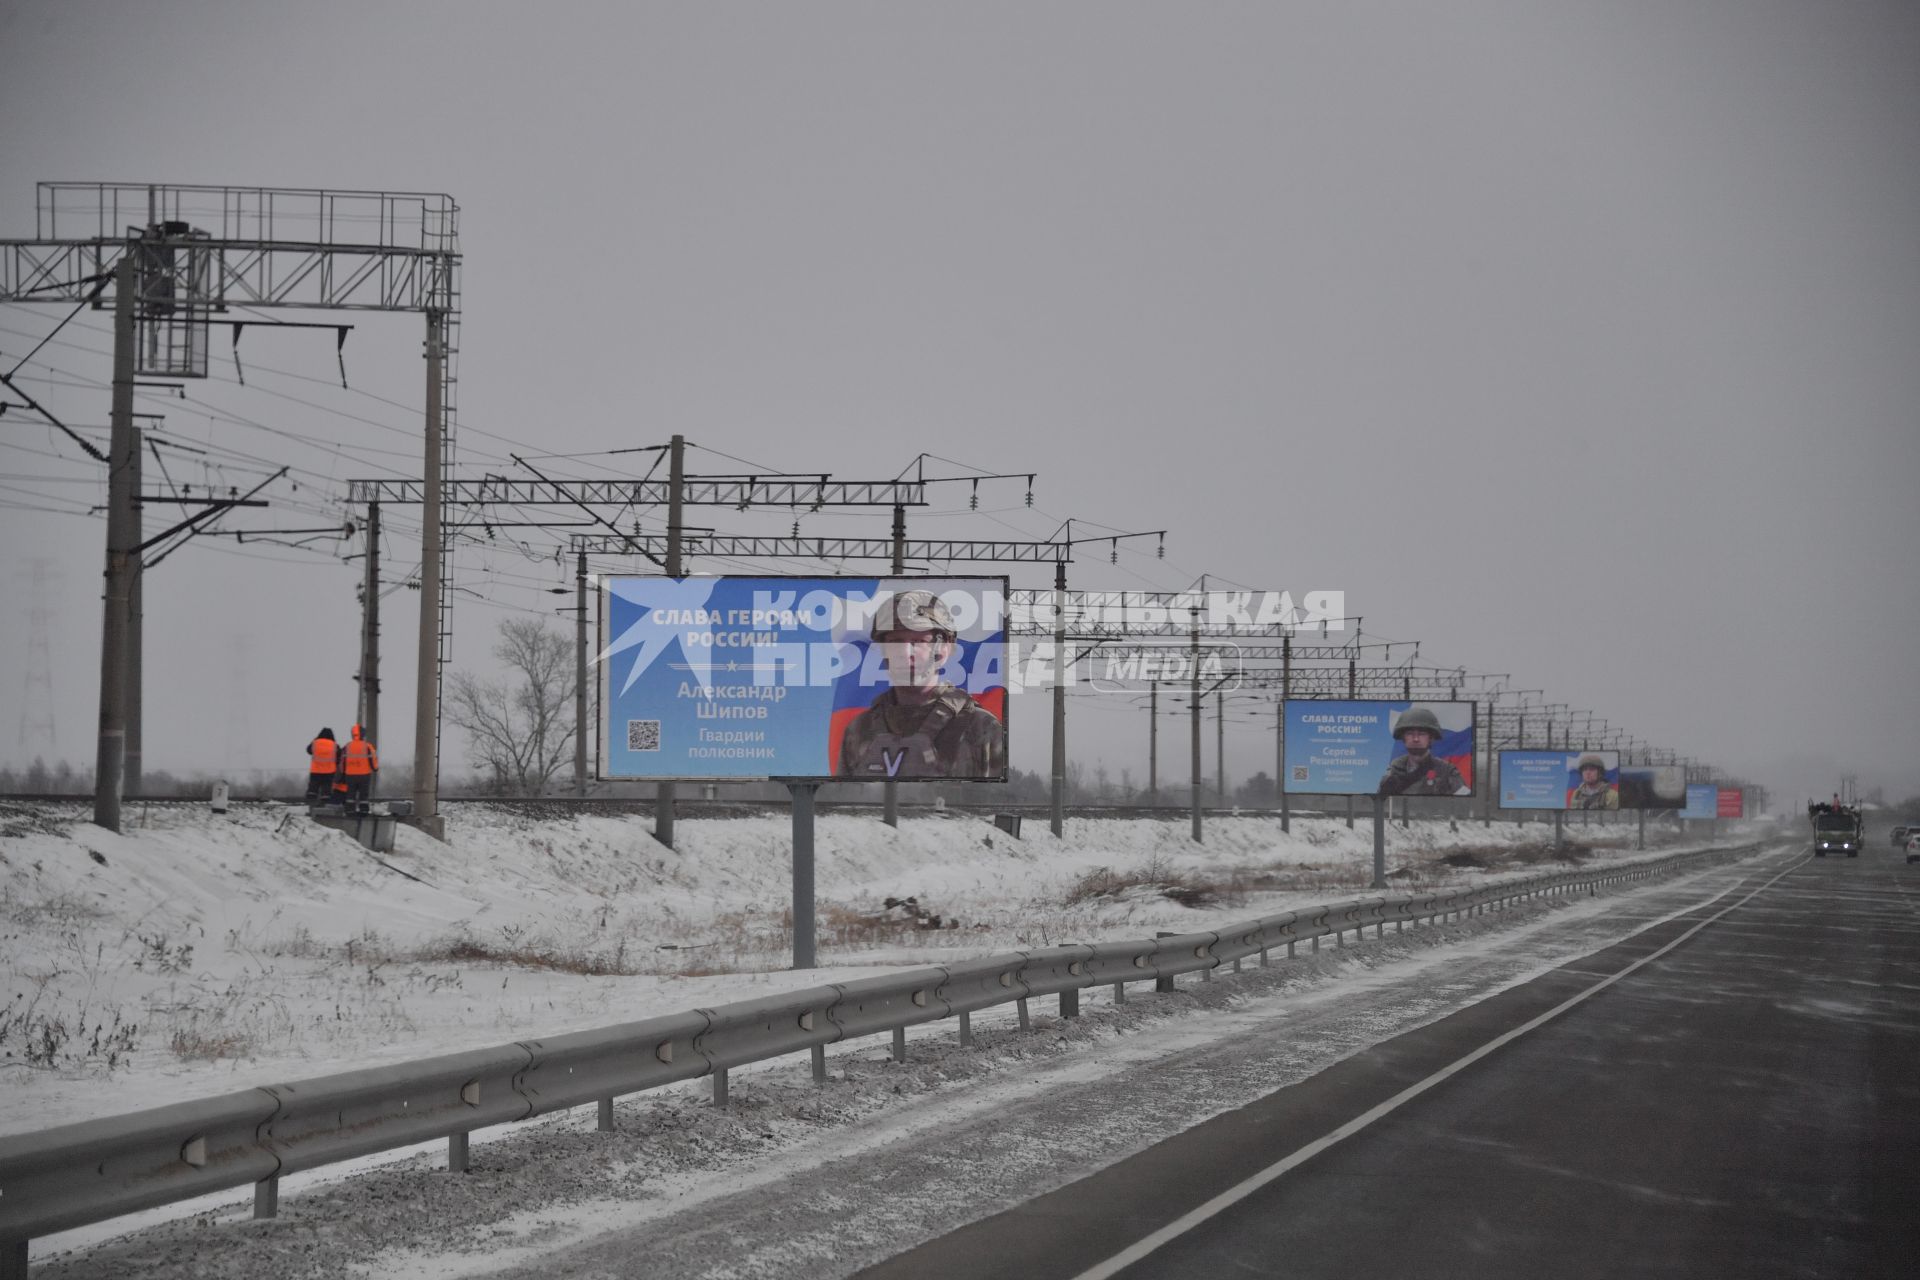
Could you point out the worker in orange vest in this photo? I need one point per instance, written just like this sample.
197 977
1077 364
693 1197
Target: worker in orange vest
325 751
361 760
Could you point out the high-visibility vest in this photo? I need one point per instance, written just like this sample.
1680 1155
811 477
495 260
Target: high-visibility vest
361 758
324 759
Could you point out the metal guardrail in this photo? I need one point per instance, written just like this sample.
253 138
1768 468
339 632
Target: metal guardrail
83 1173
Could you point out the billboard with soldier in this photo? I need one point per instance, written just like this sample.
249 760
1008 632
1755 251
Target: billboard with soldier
804 678
1387 748
1560 780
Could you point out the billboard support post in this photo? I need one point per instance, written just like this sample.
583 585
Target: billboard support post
1379 841
676 480
803 931
1642 842
1559 829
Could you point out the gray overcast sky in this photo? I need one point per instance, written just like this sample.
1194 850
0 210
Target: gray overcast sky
1576 340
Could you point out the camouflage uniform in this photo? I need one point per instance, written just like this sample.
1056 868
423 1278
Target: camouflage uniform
951 736
1430 775
1605 797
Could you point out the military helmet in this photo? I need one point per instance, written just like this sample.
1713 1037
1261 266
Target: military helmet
912 611
1590 760
1416 718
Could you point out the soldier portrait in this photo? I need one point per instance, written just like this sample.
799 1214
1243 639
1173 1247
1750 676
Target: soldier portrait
922 725
1594 791
1419 772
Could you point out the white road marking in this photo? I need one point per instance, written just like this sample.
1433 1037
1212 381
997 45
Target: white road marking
1233 1195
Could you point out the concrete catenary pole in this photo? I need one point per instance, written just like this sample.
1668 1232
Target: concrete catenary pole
1193 703
580 674
370 633
136 613
1220 744
1280 747
1353 687
1060 692
890 789
122 527
1153 742
426 700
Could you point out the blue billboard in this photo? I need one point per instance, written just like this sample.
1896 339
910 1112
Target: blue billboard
1703 801
1387 748
1559 780
805 678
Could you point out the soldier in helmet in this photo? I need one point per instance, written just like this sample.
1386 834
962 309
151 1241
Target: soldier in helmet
922 726
1593 791
1419 772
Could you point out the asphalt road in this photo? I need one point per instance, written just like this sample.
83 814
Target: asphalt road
1735 1092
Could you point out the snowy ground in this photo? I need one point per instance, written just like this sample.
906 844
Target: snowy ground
198 954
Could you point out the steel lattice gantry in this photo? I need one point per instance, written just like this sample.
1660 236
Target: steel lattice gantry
701 544
694 491
177 256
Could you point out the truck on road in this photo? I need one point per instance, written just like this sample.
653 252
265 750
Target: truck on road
1836 829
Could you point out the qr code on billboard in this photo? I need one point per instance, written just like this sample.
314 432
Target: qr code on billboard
643 735
1299 773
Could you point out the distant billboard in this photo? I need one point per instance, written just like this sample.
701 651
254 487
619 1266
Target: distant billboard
1389 748
1732 803
804 678
1560 780
1653 786
1703 802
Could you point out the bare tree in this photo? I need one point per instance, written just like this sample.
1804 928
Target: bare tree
520 729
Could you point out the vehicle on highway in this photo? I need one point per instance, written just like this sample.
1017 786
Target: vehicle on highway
1913 847
1836 829
1900 837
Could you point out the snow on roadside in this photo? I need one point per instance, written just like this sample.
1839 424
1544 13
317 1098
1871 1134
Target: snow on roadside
196 954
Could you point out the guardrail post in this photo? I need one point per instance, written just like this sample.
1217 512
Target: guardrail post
819 1054
266 1197
456 1153
1025 1024
1070 1003
1119 993
966 1029
1263 958
1339 938
13 1260
720 1087
1290 950
899 1044
606 1115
